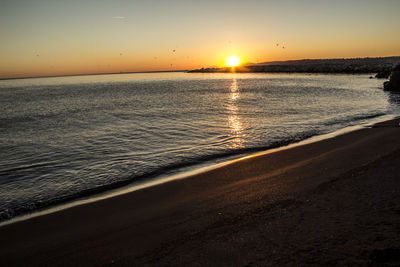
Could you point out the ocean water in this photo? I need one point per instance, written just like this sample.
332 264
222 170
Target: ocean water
66 137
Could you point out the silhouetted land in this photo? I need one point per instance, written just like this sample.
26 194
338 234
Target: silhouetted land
350 65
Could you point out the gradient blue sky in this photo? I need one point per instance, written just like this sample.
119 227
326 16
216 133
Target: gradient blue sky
49 37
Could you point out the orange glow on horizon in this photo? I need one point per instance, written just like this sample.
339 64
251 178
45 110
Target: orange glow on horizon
44 39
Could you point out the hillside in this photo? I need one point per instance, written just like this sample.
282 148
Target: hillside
338 65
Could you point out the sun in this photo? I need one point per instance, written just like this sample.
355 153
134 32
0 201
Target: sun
233 61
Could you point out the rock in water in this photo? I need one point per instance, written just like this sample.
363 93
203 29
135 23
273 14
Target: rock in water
384 74
394 80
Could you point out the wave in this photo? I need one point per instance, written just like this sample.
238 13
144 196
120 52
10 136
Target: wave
174 168
165 170
357 118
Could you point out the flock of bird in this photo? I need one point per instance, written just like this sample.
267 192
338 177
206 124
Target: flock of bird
283 47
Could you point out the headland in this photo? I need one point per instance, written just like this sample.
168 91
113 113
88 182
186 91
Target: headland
382 66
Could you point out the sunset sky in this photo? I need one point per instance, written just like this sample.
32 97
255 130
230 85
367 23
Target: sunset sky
50 37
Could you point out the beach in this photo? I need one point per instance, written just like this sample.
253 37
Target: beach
332 202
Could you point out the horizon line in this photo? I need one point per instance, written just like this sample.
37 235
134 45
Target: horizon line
90 74
161 71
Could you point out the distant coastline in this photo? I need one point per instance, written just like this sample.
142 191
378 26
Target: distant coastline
380 65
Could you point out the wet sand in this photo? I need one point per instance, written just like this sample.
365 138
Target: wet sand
335 202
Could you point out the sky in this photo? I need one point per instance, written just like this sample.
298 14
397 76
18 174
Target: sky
51 37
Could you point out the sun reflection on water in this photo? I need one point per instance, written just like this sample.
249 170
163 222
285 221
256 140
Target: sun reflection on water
234 120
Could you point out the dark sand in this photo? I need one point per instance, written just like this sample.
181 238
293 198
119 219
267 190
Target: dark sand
334 202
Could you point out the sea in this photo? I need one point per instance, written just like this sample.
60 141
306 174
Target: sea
64 138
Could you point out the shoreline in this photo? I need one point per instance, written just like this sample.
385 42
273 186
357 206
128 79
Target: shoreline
331 201
333 65
182 173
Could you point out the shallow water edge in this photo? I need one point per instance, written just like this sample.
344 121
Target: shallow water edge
185 173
